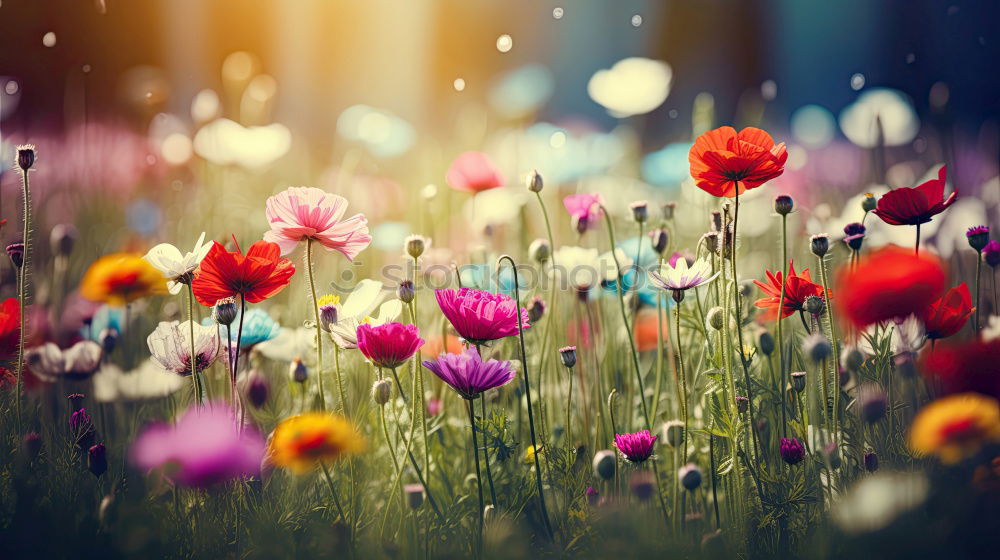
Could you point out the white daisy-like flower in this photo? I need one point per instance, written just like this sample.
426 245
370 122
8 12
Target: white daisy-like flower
147 381
680 276
170 346
50 363
176 267
357 309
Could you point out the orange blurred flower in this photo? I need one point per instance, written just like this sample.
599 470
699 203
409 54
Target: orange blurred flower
432 348
645 331
723 160
121 278
956 427
890 283
303 441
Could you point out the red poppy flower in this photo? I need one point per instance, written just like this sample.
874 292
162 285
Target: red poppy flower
961 368
911 207
948 315
258 275
891 283
722 160
10 327
797 289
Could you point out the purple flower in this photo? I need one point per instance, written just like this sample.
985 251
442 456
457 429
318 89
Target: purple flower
97 459
389 345
592 496
584 209
468 374
204 447
792 451
80 420
480 316
978 237
635 447
991 253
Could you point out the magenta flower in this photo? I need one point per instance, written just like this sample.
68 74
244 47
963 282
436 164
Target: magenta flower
389 345
635 447
203 448
991 253
792 451
468 374
300 213
479 316
474 172
584 209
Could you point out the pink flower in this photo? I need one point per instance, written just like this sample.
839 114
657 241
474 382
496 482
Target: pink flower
584 209
203 448
389 345
480 316
468 374
474 172
635 447
300 213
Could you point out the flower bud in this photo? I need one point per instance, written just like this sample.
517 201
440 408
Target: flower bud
690 476
568 355
792 451
783 204
854 235
643 484
991 254
540 250
716 318
819 244
742 404
225 311
97 459
817 347
63 239
640 211
871 461
381 391
712 242
536 310
405 292
852 358
534 182
673 433
868 203
16 253
297 371
25 157
872 403
605 464
978 237
814 305
75 400
716 221
798 381
257 388
108 339
31 445
593 496
414 495
659 238
668 209
766 343
831 453
415 245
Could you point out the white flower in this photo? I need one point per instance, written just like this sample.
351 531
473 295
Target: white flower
583 268
170 346
681 277
176 266
992 329
79 361
147 381
357 309
877 500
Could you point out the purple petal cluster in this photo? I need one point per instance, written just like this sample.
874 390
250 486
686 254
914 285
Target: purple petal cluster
468 374
480 316
792 451
204 447
635 447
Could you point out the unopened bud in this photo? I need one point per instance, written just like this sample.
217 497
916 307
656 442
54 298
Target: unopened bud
742 404
868 203
257 388
25 157
97 459
405 292
540 250
534 182
298 371
766 343
817 347
225 311
716 221
690 476
819 244
673 433
668 209
381 391
108 338
63 239
568 355
814 305
640 211
415 245
605 463
536 310
716 318
871 461
659 239
798 381
414 495
783 204
16 253
852 358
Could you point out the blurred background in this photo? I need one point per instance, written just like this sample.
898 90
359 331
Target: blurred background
377 97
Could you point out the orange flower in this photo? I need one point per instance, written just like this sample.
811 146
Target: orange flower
303 441
432 348
956 427
121 278
645 331
724 163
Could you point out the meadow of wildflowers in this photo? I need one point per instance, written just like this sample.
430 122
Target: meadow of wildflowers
201 358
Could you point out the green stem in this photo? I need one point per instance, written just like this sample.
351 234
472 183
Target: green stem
310 274
781 310
336 498
22 295
979 270
683 378
486 456
198 393
479 478
739 325
569 409
836 349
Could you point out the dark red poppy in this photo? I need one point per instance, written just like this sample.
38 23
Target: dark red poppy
258 275
961 368
10 327
911 207
723 160
890 283
948 315
797 288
